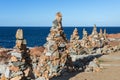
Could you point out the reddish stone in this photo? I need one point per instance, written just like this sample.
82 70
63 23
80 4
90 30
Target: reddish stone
16 78
37 51
14 68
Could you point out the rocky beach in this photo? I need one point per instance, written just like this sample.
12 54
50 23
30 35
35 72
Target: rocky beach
93 57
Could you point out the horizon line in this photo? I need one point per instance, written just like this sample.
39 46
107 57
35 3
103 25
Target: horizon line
62 26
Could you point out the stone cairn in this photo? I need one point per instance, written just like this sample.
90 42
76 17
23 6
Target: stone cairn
85 40
20 41
105 36
102 38
94 38
101 34
75 46
53 59
18 67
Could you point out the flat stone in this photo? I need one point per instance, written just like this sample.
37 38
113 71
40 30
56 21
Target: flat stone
18 63
18 55
14 74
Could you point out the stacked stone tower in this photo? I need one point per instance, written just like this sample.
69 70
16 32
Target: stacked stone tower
85 40
75 46
55 54
18 67
20 41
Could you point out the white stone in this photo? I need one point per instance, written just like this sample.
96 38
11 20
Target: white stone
48 54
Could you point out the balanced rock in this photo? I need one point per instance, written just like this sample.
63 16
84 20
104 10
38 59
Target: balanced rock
19 34
20 41
18 67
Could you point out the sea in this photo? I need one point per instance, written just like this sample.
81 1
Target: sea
36 36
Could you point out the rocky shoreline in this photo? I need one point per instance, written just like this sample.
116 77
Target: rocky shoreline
58 55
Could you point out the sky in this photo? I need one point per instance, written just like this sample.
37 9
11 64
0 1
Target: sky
75 12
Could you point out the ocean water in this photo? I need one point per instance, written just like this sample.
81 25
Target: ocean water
36 36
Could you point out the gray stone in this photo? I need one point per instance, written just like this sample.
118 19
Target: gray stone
62 45
98 51
7 73
18 63
24 41
92 64
14 74
55 24
18 55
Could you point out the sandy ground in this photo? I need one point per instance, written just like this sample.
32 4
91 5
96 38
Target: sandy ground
110 71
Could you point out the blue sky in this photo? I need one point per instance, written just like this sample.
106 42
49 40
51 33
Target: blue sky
75 12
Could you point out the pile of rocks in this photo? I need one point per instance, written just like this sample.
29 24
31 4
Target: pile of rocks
42 63
54 57
98 40
18 66
20 41
85 40
93 66
94 38
74 45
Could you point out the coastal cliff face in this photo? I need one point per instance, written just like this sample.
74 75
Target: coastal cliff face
58 55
